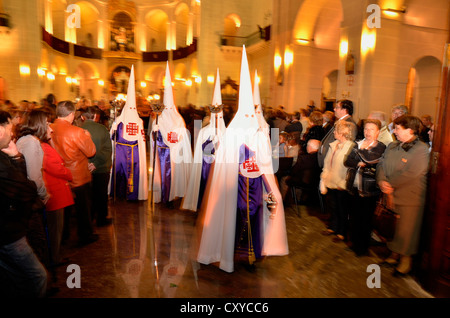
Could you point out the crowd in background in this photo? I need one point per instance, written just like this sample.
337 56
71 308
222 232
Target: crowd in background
352 164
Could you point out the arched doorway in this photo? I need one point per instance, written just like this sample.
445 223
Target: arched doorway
423 86
231 25
86 78
88 34
329 88
156 30
182 24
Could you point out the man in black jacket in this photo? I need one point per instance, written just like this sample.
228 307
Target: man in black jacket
343 111
21 273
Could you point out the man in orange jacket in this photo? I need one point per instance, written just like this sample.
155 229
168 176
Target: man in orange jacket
75 146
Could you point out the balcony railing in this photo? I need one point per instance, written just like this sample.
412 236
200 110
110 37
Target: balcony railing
253 38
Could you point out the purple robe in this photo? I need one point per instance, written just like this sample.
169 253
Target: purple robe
126 167
250 203
164 161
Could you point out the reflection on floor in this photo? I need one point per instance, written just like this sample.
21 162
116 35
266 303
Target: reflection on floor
146 254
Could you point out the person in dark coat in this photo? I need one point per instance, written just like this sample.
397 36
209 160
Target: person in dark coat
402 173
99 165
363 160
21 272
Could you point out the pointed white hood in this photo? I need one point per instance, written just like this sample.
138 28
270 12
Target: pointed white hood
129 115
216 101
245 116
170 119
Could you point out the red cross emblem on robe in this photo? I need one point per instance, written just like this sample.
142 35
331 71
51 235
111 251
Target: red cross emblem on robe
249 168
132 129
250 165
172 137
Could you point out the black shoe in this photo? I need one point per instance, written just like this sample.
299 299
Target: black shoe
105 222
93 238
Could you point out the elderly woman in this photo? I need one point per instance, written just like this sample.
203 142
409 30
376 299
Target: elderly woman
333 179
402 174
363 161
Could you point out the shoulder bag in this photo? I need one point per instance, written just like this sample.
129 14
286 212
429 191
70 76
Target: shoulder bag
385 218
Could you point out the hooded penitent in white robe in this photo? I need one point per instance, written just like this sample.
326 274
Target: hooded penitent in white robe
130 150
217 231
204 153
176 138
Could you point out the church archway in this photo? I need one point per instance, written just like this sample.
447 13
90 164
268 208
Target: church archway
423 86
87 34
86 75
156 30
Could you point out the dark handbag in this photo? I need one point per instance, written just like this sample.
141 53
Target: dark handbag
350 180
368 182
385 219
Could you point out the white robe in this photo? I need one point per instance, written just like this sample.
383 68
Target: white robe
190 201
217 241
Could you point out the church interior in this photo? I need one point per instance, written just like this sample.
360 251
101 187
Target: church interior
377 53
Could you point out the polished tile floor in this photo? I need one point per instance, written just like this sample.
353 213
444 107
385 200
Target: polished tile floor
148 253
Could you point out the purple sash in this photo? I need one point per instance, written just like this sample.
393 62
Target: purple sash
164 161
250 202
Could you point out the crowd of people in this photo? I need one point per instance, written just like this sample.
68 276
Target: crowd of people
56 162
355 165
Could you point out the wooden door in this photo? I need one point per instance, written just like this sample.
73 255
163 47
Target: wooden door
434 269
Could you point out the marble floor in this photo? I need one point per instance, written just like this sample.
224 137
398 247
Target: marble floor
148 253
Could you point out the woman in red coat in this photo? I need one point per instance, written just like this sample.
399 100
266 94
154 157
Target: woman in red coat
56 178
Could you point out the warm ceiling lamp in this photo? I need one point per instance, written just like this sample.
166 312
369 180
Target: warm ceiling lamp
393 12
303 40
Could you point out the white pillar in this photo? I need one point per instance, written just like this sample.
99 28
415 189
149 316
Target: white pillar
48 16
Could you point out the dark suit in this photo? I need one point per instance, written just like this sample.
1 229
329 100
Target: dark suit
327 140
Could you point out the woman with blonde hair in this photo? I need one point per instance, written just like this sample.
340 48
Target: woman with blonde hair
333 179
